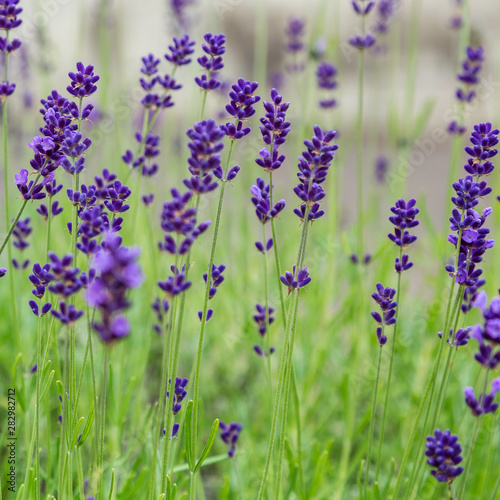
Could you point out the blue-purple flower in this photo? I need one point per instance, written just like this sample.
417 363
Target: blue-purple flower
486 402
384 298
444 453
230 435
211 61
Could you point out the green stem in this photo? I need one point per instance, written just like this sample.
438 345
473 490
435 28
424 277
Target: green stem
102 422
359 156
171 373
196 390
39 371
372 420
266 316
389 375
451 489
469 457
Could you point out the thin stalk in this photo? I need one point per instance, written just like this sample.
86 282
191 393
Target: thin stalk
285 375
451 490
469 457
372 420
49 224
266 315
79 468
196 390
359 151
161 405
39 371
389 375
102 422
171 373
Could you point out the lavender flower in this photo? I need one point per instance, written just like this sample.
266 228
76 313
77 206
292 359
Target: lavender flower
261 200
20 240
41 278
385 11
381 167
216 279
444 453
361 42
179 394
3 272
118 272
179 219
263 319
296 282
383 297
180 51
83 81
485 403
179 8
274 129
313 169
241 107
9 12
326 74
67 314
230 435
214 48
175 284
461 338
403 219
488 334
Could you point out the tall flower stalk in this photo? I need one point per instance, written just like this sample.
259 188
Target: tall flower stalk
313 169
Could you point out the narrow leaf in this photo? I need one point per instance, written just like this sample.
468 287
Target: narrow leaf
188 434
208 446
47 384
88 425
75 432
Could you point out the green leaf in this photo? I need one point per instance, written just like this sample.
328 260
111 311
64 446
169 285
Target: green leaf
88 425
208 446
60 388
358 478
47 384
376 491
188 434
162 496
319 473
390 478
45 370
75 432
208 461
112 484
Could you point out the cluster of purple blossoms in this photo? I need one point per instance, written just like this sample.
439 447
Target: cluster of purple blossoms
205 160
216 279
366 40
385 11
158 89
326 75
230 434
444 454
263 319
274 128
9 12
383 297
175 284
52 208
160 308
40 279
465 221
458 339
403 219
263 209
20 236
178 397
211 61
66 282
117 272
83 82
469 77
295 43
179 218
241 107
179 8
313 169
488 356
95 204
294 282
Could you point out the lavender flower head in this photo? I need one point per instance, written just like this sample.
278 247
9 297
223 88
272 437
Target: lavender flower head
296 281
118 272
230 435
83 82
383 297
295 43
313 169
326 77
444 454
180 51
211 61
486 402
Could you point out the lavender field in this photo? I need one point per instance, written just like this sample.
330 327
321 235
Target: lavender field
247 250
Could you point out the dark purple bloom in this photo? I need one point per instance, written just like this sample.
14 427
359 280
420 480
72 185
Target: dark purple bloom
403 219
261 200
296 282
40 279
362 8
21 233
326 76
486 402
118 272
67 314
8 15
210 313
83 81
179 394
180 51
3 272
6 90
295 33
444 454
211 61
175 284
216 279
383 297
45 308
361 42
469 76
230 434
313 169
461 338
